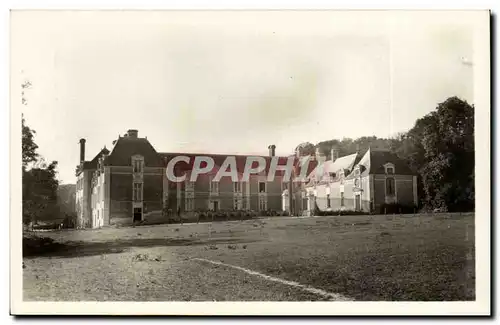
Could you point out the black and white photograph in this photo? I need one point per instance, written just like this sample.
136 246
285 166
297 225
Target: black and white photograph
266 162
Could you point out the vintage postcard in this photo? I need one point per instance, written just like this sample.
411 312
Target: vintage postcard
250 162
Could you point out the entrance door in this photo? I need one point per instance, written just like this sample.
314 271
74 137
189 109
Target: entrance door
358 202
137 214
216 205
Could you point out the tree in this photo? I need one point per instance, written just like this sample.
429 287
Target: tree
440 147
29 146
348 146
448 140
306 149
40 194
39 181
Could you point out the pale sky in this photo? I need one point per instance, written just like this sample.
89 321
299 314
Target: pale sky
232 82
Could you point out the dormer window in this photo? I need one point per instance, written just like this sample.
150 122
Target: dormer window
389 168
138 164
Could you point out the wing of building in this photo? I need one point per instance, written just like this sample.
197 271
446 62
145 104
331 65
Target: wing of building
369 183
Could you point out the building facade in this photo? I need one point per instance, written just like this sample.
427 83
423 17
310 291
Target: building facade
129 184
364 183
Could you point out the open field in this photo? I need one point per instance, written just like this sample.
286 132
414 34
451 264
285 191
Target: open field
423 257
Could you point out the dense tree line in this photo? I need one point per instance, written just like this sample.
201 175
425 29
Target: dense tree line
439 149
39 181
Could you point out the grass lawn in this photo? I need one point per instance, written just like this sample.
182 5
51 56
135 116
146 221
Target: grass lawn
423 257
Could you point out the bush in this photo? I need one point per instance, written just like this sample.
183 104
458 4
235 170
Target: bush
35 245
396 208
340 213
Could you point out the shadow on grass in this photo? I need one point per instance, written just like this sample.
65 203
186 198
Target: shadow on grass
77 249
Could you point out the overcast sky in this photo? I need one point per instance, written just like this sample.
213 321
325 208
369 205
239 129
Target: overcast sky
229 82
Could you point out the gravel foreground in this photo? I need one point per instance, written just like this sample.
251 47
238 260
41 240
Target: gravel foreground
421 257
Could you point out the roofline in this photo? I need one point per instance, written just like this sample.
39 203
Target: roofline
218 154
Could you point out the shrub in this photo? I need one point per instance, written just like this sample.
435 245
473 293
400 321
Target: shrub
397 208
340 213
34 245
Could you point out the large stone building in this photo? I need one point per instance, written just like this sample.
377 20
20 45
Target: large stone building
129 183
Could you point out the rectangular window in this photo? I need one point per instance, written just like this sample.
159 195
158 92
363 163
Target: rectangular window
237 205
262 187
189 206
237 187
389 183
328 204
214 187
341 199
390 170
189 185
138 165
137 192
262 203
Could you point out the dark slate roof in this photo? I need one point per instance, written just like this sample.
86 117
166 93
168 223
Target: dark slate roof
182 167
379 158
126 147
373 161
311 166
344 163
94 162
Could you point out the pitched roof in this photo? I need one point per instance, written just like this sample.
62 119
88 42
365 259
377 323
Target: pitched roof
374 160
94 162
126 147
378 158
181 167
342 163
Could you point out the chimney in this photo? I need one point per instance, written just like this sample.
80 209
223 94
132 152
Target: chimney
132 133
82 150
272 150
334 153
